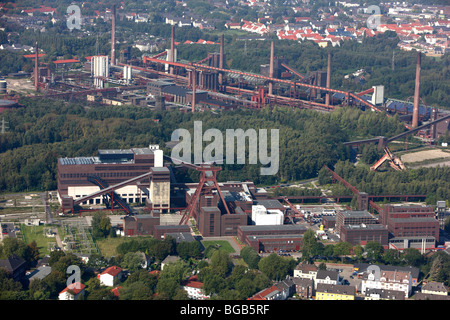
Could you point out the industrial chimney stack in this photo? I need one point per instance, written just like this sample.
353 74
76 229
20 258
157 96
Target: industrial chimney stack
113 36
415 118
36 68
172 48
327 97
271 68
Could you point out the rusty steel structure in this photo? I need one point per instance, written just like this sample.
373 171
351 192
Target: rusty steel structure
208 183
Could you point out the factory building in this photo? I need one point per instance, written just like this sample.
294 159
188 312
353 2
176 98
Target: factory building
360 227
115 166
211 216
272 238
364 233
344 218
410 226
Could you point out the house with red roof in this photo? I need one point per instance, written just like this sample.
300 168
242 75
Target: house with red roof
279 291
110 276
193 287
42 9
72 291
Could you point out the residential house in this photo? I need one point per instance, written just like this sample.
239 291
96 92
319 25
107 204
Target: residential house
279 291
193 287
111 276
433 291
326 277
433 287
326 291
362 267
39 273
382 294
72 291
169 259
15 266
303 287
306 271
387 279
233 25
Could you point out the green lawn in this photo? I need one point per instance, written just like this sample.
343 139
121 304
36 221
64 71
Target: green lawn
108 246
224 245
36 233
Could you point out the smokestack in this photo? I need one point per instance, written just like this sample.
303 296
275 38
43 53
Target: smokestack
113 36
172 48
327 97
271 68
415 118
193 89
221 52
221 59
36 70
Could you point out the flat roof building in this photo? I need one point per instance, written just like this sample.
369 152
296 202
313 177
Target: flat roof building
363 233
110 167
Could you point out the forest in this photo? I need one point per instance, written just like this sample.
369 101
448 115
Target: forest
43 130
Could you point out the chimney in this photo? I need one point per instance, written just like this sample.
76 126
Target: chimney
36 68
113 36
172 48
271 68
193 89
327 97
221 59
415 118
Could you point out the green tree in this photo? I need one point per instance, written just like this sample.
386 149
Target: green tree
38 290
274 266
358 252
310 245
135 291
374 250
101 225
221 263
412 257
9 289
250 256
342 249
132 261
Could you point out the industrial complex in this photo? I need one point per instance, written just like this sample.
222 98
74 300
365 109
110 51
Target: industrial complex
118 179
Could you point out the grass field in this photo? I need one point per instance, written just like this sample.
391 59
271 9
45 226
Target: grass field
222 244
36 233
108 246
